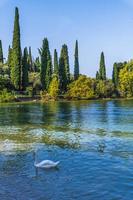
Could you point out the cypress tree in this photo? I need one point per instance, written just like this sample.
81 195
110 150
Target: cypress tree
30 60
16 53
43 55
102 70
115 74
66 61
62 72
97 75
26 53
46 65
9 60
116 70
1 53
25 79
49 71
37 64
76 63
56 64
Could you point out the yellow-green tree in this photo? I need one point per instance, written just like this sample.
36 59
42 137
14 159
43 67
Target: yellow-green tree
54 88
83 87
104 89
126 80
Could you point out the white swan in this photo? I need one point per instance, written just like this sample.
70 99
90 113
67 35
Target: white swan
45 164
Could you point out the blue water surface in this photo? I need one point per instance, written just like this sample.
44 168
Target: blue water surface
92 139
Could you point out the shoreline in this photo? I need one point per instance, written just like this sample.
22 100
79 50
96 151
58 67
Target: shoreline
38 100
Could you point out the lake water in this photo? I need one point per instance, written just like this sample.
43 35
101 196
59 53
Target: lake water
93 140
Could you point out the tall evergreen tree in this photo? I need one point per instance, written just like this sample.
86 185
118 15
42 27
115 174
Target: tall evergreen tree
49 71
9 59
56 64
30 60
37 64
102 70
115 74
46 65
25 79
97 75
62 71
66 61
76 62
43 55
116 70
16 54
1 53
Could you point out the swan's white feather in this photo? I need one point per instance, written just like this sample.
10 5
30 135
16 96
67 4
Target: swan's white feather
46 164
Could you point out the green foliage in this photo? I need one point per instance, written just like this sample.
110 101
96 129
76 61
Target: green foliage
104 89
1 53
102 69
116 70
5 83
16 54
54 88
4 70
34 81
126 80
76 63
6 96
66 62
115 76
44 96
9 60
64 72
30 91
43 54
49 71
25 80
21 72
30 60
56 64
37 65
81 88
97 76
46 65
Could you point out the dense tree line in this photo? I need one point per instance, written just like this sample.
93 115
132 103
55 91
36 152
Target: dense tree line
23 73
22 64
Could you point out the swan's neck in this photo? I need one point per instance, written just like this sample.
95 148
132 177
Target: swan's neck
35 161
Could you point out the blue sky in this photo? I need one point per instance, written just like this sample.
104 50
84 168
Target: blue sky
99 25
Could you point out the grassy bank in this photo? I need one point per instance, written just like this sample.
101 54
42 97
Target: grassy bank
24 98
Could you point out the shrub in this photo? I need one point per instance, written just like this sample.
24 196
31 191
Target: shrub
54 88
6 96
81 88
29 91
5 83
44 96
104 89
